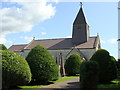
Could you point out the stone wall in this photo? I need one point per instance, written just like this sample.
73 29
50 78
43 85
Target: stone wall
84 53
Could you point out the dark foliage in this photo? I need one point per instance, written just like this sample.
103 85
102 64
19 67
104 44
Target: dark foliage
89 75
107 66
2 47
118 67
118 64
72 64
43 66
15 70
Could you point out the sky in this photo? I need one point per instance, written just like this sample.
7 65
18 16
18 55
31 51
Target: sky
21 21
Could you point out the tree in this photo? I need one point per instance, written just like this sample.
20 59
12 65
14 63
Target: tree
15 70
72 64
89 75
107 67
118 67
2 47
43 66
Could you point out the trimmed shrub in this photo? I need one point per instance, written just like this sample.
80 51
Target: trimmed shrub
15 70
107 66
118 64
88 75
42 64
2 47
114 60
72 64
118 67
112 68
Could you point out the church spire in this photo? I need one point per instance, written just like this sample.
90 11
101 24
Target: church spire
80 19
80 28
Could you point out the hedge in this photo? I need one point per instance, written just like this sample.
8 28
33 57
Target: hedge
42 64
15 70
89 75
107 66
72 64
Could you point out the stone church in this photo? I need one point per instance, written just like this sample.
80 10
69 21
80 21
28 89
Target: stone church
81 42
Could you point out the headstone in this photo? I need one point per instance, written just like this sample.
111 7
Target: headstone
62 69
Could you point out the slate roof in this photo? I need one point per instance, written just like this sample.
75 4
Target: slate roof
80 19
56 44
17 48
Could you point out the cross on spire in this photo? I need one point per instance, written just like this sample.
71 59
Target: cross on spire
81 4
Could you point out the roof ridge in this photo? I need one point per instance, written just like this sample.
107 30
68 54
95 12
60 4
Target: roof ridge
28 44
19 44
52 39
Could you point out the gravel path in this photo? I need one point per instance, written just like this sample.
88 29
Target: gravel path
68 84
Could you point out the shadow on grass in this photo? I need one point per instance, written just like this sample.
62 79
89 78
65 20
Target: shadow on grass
73 85
13 88
32 83
107 83
35 83
74 75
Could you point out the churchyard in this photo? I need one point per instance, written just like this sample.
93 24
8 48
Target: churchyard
58 61
39 69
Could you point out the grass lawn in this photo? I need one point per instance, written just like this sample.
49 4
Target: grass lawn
114 84
59 80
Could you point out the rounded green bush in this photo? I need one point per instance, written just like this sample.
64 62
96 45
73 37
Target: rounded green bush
112 68
42 64
15 70
72 64
118 67
118 64
107 67
2 47
88 75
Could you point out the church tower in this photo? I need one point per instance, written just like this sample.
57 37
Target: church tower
80 29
